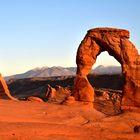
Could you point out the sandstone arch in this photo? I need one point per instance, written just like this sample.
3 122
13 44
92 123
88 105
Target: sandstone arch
4 91
116 43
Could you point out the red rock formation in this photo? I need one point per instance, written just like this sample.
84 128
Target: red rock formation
116 43
4 91
34 99
69 100
83 91
57 94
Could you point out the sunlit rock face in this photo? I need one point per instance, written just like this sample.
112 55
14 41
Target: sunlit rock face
116 43
57 94
4 91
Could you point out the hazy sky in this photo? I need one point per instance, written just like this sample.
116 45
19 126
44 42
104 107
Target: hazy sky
35 33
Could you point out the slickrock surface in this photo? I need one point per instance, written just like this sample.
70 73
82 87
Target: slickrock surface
116 43
44 121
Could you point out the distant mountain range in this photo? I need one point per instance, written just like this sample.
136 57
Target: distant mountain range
62 71
107 70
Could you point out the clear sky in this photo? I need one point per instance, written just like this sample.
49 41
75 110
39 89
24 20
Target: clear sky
35 33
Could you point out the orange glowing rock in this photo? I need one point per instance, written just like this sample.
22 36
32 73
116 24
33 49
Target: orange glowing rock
116 43
4 91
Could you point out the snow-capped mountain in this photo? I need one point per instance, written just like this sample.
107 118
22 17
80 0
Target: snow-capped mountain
63 71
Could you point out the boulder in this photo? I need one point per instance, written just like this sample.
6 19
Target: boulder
57 94
35 99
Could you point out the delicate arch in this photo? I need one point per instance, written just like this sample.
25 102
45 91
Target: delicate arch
116 43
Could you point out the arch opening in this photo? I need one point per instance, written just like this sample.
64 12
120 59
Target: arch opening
107 82
106 73
104 59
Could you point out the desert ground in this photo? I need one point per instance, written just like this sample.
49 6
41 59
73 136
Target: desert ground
31 120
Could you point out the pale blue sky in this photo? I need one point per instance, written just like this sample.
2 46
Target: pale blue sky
48 32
